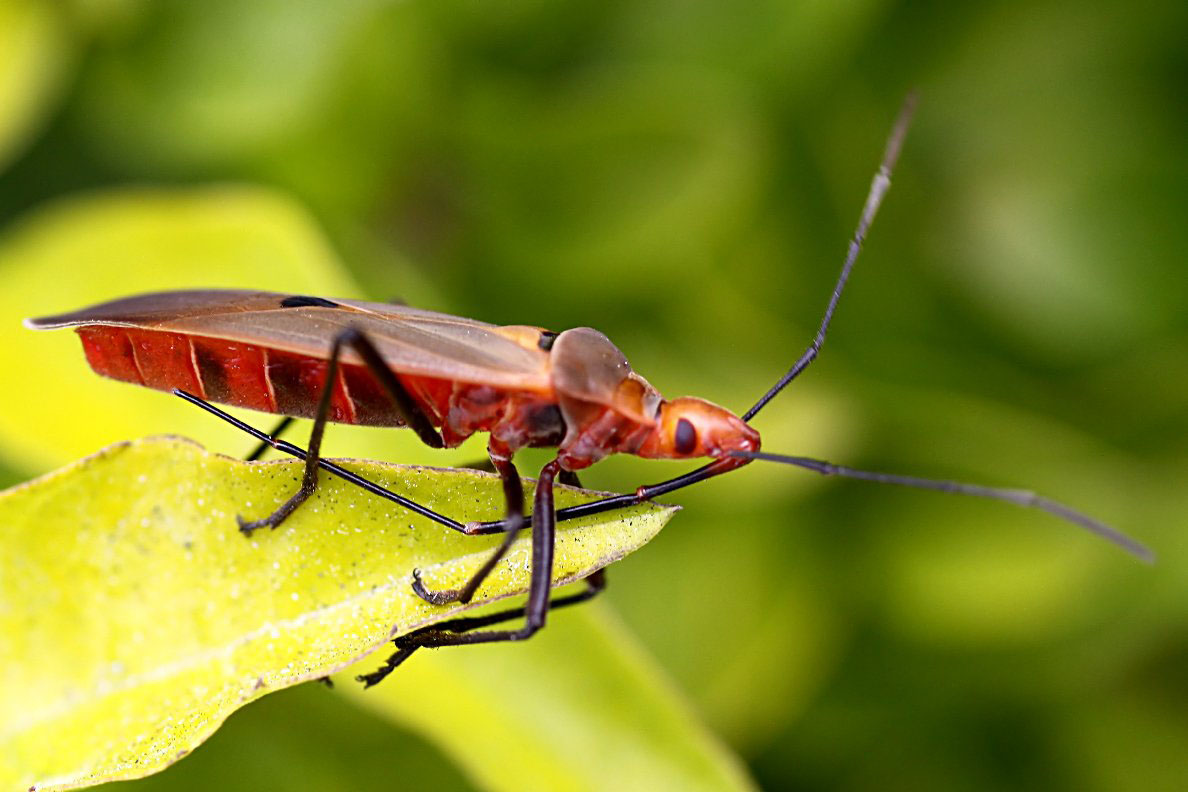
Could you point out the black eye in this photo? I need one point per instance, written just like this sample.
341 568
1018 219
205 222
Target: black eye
685 437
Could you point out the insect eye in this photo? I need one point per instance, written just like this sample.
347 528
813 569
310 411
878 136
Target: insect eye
685 437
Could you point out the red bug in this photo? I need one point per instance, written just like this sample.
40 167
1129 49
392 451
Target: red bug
446 378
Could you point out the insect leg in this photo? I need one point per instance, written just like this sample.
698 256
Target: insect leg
406 406
410 412
276 432
286 447
407 644
512 523
470 529
309 480
612 502
513 492
535 612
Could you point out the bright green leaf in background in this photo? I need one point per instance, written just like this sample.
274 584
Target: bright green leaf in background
139 618
106 246
32 54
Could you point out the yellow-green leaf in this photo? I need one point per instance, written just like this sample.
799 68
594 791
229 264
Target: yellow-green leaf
136 618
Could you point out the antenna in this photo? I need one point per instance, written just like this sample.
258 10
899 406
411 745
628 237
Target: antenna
1023 498
878 188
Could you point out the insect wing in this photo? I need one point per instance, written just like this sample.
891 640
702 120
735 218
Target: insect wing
411 340
589 368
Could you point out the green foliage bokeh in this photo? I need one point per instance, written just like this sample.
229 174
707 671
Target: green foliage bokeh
684 176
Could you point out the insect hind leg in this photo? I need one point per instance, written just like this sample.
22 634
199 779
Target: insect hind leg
309 479
407 408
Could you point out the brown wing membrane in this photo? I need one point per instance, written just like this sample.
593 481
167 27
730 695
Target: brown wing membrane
588 368
412 341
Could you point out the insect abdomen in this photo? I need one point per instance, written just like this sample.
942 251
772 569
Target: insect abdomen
245 375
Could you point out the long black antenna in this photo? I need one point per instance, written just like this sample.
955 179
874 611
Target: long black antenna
1018 497
878 188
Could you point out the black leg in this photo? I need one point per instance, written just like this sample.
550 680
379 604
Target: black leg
407 644
513 492
470 529
275 434
409 411
309 480
286 447
612 502
535 612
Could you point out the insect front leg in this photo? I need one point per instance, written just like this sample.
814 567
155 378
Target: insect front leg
513 493
407 407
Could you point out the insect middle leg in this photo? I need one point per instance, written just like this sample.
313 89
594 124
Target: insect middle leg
512 523
458 632
513 493
407 408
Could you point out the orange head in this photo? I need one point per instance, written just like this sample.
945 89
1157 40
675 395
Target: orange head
688 427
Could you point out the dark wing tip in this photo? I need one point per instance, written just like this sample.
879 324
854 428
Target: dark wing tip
157 307
43 322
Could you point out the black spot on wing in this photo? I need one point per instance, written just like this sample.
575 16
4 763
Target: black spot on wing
545 342
298 301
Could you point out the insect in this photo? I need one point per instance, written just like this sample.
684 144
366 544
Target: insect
447 378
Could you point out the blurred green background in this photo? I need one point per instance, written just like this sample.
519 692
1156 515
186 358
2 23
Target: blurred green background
684 176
